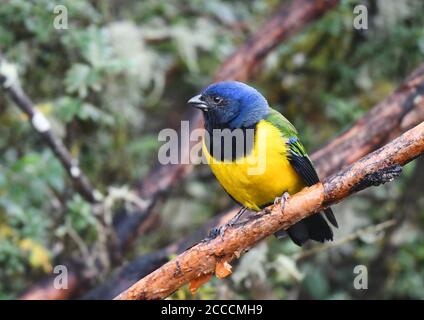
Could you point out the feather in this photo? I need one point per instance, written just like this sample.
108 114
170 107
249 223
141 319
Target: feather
303 166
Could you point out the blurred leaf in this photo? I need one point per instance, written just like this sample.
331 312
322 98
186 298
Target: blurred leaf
38 255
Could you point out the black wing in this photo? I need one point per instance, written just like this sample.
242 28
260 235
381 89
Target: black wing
303 166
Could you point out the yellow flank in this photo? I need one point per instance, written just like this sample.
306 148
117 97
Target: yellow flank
264 174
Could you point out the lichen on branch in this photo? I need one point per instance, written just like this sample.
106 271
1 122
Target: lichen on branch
202 259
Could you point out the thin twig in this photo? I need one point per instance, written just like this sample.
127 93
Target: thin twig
9 81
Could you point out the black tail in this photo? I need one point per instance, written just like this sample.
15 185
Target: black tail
314 227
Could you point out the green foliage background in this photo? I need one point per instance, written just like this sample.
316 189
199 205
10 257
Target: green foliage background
123 71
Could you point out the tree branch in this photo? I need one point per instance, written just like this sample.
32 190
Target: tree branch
10 83
398 112
289 19
143 265
379 167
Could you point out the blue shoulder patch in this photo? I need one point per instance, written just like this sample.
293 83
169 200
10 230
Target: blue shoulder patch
293 140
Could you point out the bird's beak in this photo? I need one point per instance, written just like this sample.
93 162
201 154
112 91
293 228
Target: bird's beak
196 102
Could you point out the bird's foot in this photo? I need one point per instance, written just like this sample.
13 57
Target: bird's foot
282 201
217 231
214 232
232 222
224 228
237 217
267 211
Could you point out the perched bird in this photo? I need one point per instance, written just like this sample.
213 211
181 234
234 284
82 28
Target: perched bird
229 107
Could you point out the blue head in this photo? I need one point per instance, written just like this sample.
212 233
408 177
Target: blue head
231 104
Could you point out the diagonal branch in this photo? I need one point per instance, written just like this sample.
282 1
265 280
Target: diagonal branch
290 18
381 166
394 115
10 83
400 111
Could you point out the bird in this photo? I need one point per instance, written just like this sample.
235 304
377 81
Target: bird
232 109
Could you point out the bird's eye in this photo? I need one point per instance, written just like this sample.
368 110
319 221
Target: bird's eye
217 100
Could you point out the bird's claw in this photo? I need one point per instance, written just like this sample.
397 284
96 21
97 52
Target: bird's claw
229 224
214 232
223 228
218 231
282 201
267 211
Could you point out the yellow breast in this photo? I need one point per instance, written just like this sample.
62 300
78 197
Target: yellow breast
264 174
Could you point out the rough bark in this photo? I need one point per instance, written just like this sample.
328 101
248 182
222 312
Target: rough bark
400 111
381 166
403 109
143 265
289 19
